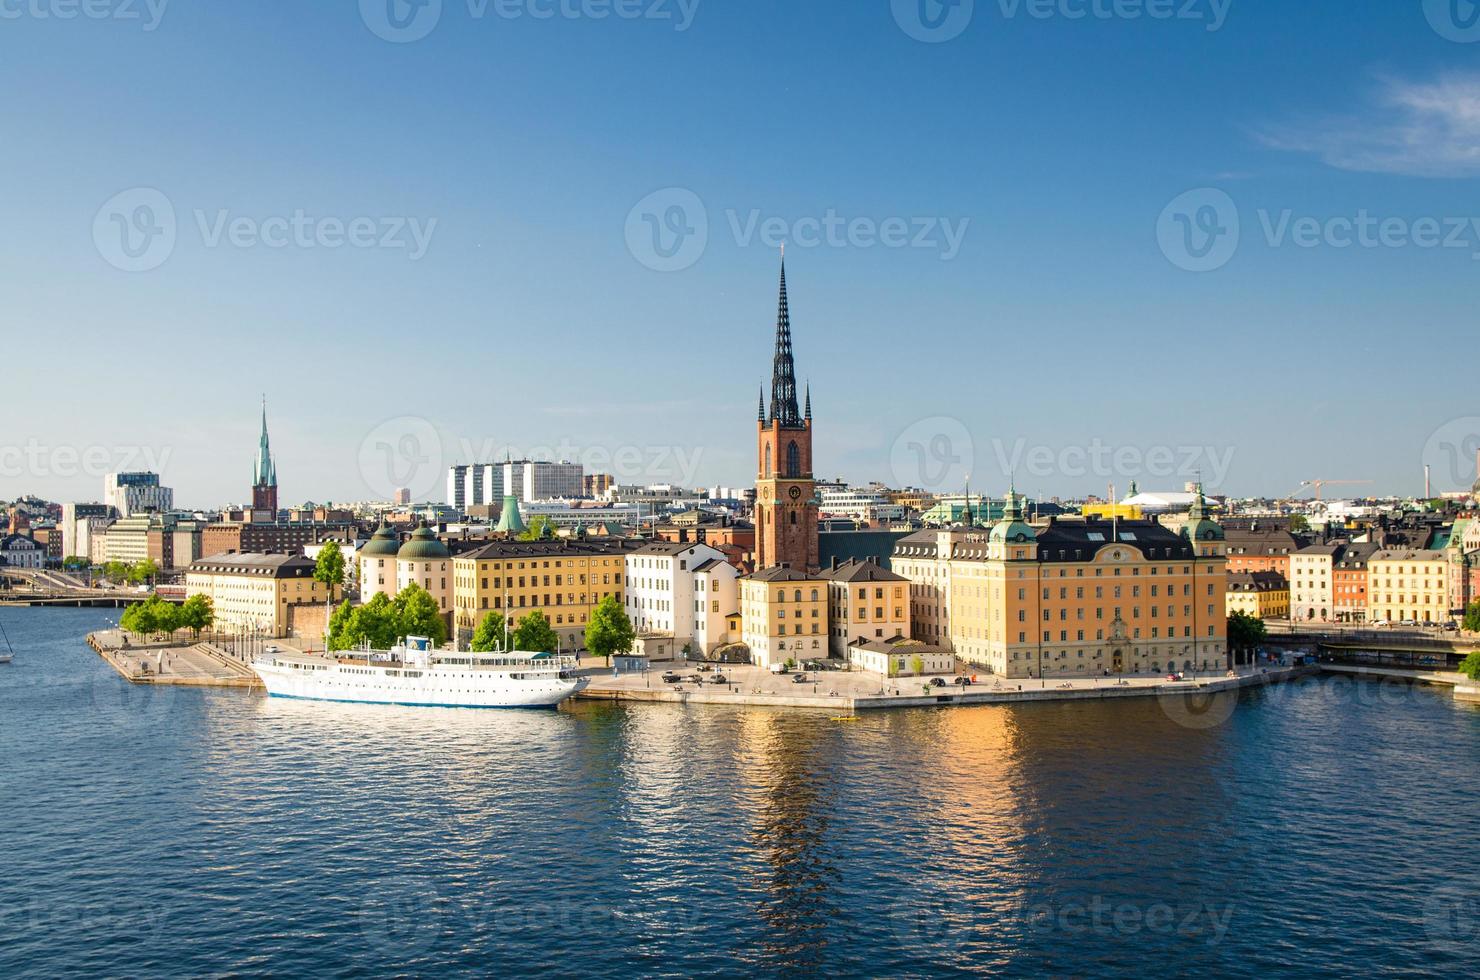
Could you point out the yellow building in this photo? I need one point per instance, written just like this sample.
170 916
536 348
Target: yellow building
865 601
783 616
924 560
256 592
1082 597
1407 585
563 578
1124 512
1263 595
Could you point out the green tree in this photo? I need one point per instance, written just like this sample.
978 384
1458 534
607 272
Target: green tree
1245 632
609 630
1298 524
339 622
417 614
197 614
534 634
167 615
917 665
138 619
374 623
1470 666
489 636
141 572
116 571
1472 617
75 562
329 569
538 529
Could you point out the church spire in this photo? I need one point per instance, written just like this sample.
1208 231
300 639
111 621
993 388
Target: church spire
807 414
761 412
266 471
783 372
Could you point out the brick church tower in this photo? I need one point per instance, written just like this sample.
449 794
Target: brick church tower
785 496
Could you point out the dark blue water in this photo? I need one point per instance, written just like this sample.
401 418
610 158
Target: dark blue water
1322 829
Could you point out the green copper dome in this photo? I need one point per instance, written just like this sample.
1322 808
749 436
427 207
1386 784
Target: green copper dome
509 520
383 543
1199 526
423 545
1012 527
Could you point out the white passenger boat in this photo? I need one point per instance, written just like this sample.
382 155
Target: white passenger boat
414 674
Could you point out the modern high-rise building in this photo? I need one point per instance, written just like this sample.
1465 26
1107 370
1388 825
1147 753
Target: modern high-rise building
136 493
785 491
475 485
72 514
530 479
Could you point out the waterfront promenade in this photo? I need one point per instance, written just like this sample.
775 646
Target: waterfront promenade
850 691
194 664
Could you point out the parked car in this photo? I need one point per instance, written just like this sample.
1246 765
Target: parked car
669 677
962 682
799 679
937 682
270 649
719 679
704 667
1451 628
1381 622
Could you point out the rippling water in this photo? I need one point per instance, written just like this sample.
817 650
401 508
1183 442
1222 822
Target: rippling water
1323 829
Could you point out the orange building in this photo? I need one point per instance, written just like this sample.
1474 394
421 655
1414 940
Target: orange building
1261 550
1081 597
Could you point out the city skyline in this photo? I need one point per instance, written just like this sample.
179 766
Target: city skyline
554 246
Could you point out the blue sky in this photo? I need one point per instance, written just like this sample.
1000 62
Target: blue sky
506 174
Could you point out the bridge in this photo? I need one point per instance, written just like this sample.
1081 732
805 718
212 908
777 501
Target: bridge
1411 647
47 587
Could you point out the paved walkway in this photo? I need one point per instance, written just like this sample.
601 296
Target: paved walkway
166 663
835 689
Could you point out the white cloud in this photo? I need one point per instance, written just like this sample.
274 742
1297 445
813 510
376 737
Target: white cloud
1417 129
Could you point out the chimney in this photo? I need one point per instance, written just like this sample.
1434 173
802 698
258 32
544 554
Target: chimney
835 563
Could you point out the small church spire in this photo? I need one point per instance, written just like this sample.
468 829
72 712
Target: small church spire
761 414
808 413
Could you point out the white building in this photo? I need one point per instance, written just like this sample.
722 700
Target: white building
475 484
716 604
1311 577
75 516
908 659
134 493
542 480
663 594
21 551
866 504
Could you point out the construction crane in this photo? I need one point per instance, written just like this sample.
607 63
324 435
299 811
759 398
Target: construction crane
1318 484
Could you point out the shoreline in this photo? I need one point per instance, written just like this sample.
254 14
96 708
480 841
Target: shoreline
947 697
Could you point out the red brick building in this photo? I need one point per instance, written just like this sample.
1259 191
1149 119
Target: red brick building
785 490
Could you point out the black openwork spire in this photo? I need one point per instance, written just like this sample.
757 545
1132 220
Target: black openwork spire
783 373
